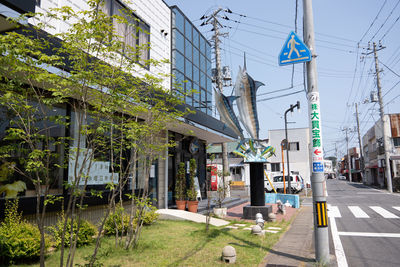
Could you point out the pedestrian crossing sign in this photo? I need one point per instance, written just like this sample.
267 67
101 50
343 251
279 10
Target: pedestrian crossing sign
294 51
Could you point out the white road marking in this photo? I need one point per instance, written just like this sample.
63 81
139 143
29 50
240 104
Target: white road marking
358 212
365 234
333 211
384 213
397 208
339 251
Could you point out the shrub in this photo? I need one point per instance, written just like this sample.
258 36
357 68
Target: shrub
19 240
149 215
84 236
117 220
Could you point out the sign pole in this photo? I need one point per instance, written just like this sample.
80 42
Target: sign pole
318 182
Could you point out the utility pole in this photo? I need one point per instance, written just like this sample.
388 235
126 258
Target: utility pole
384 123
348 155
216 25
318 182
360 144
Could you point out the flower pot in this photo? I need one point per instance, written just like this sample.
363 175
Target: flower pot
220 212
180 204
192 206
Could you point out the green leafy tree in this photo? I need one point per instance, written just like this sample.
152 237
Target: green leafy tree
117 114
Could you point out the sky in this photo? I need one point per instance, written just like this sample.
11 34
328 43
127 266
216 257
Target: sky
344 33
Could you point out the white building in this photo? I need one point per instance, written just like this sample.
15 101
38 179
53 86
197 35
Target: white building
299 159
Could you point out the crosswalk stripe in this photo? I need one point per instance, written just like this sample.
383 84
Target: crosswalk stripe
333 211
384 213
397 208
358 212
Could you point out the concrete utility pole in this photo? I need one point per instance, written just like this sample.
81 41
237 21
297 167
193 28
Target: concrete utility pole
348 155
318 182
360 144
384 123
216 25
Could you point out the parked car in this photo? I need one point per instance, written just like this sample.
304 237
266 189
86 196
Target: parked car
341 177
296 182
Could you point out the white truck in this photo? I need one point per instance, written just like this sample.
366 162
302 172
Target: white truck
296 182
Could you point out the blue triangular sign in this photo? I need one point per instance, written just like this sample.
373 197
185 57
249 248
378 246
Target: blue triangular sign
294 51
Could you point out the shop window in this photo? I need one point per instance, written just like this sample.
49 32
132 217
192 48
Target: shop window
396 141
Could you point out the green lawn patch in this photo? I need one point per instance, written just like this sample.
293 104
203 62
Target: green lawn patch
182 243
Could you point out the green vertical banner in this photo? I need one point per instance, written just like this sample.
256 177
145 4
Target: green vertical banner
321 214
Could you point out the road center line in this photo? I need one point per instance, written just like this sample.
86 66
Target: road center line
365 234
339 251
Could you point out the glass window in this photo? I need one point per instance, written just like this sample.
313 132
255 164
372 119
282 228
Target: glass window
189 87
179 41
209 111
203 65
179 21
188 69
209 84
196 37
196 56
209 99
294 146
178 80
203 96
275 167
202 45
208 50
188 50
209 68
202 79
179 61
196 74
196 92
188 30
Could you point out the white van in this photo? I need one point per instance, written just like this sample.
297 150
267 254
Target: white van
296 182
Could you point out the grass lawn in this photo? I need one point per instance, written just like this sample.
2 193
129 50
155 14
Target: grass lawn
181 243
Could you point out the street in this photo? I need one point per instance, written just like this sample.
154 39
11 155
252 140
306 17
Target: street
364 224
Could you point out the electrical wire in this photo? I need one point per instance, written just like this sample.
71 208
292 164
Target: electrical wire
274 97
390 14
392 71
376 17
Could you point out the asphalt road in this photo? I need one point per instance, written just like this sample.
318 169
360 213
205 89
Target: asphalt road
364 224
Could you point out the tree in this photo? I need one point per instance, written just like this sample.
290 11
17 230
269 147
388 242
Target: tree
117 115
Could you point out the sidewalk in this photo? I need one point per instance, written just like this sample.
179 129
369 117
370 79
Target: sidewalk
296 245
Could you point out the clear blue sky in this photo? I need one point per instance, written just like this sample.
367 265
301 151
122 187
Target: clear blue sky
345 75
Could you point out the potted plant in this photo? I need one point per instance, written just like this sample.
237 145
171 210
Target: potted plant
191 191
220 211
180 187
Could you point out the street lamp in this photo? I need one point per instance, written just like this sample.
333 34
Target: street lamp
287 146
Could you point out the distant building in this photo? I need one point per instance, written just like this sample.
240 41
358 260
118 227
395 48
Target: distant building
299 157
373 151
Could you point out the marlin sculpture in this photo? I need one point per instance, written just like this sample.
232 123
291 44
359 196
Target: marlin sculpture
246 89
224 105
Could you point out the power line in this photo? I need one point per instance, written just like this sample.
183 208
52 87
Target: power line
279 96
389 68
390 14
376 17
390 28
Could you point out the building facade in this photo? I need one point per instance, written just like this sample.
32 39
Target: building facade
166 30
374 156
298 148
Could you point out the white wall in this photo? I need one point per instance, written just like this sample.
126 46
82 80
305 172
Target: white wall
298 160
154 12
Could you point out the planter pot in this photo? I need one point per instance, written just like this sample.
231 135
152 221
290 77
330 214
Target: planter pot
192 206
180 204
220 212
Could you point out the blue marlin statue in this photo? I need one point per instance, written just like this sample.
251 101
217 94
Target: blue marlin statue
225 108
246 89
